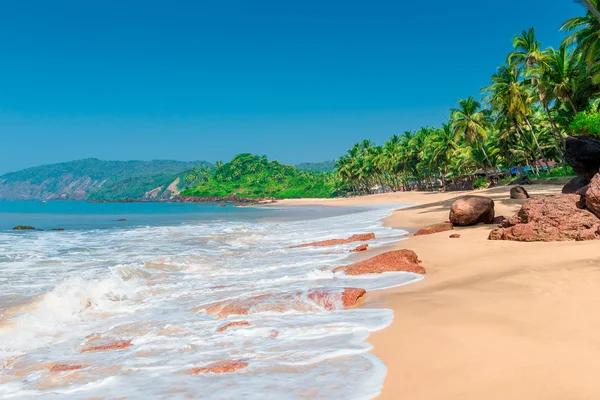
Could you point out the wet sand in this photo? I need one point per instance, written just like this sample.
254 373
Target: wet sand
492 319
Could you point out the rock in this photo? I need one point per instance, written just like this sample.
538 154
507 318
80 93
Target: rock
455 236
23 228
361 248
498 220
65 367
397 260
310 300
231 324
470 210
334 242
575 184
518 192
115 345
550 218
58 229
220 367
121 220
444 226
583 155
592 195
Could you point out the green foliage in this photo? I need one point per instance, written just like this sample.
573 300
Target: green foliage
252 176
587 123
326 166
480 183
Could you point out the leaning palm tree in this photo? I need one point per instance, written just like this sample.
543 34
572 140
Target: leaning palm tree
561 74
585 36
592 6
471 121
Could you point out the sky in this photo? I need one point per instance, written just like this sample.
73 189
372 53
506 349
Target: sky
299 81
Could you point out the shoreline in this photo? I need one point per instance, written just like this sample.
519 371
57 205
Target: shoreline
491 319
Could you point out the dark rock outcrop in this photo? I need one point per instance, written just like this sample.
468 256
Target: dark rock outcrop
428 230
518 192
363 237
575 184
583 155
391 261
471 210
550 218
23 228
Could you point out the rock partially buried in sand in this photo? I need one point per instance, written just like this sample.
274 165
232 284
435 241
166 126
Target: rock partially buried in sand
232 324
329 299
548 219
220 367
455 236
65 367
518 192
23 228
360 249
391 261
471 210
334 242
428 230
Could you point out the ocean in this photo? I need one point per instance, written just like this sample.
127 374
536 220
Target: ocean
114 309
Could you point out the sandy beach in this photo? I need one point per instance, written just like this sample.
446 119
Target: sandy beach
492 319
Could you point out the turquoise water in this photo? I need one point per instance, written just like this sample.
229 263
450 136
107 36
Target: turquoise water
83 215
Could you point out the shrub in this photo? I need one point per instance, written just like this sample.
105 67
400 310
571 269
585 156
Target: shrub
587 123
480 183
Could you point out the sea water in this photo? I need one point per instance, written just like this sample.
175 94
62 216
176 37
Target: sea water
148 282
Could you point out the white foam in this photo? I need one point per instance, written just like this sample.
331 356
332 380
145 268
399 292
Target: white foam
101 283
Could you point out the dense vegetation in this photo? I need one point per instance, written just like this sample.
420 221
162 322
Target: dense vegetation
532 102
92 179
326 166
252 176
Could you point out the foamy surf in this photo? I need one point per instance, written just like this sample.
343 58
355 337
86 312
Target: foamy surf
130 312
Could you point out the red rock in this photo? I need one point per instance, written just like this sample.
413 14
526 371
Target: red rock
65 367
397 260
274 333
231 324
220 367
498 220
119 344
550 218
334 242
455 236
361 248
329 299
592 195
471 210
445 226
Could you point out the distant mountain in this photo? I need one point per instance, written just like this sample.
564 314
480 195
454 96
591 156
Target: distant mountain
93 179
325 166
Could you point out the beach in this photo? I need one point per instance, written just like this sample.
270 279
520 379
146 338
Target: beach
491 319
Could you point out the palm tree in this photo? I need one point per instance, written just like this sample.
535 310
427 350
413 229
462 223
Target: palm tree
592 6
585 35
562 73
527 52
470 122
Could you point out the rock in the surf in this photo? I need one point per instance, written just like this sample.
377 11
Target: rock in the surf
219 367
548 219
391 261
23 228
363 237
232 324
518 192
471 210
360 249
428 230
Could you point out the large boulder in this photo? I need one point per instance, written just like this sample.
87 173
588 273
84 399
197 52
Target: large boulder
583 155
428 230
471 210
575 184
391 261
591 195
548 219
518 192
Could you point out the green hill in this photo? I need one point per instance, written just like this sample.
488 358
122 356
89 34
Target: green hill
325 166
253 176
95 179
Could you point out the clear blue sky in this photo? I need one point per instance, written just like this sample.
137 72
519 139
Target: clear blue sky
296 80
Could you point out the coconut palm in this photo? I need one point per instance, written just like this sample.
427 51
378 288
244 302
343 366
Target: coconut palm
471 121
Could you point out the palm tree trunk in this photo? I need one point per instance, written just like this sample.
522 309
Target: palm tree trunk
572 105
537 143
592 9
